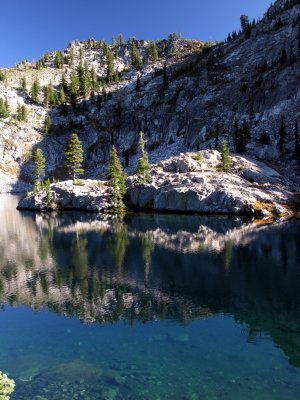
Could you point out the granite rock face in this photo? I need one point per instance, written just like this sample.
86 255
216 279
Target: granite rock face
196 187
186 101
89 196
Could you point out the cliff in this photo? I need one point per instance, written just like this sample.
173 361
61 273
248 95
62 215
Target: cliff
190 98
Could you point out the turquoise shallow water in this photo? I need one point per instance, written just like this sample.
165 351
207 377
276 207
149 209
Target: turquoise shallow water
152 307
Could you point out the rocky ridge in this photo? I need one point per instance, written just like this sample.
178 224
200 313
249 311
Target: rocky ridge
185 101
189 183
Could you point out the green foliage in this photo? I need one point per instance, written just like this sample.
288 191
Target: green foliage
117 182
85 83
281 135
47 124
2 76
153 52
62 96
81 55
135 57
144 166
4 108
226 162
50 96
121 41
74 89
110 66
47 186
21 113
241 136
93 78
74 156
23 84
71 57
173 37
246 26
197 157
39 167
7 386
35 89
59 59
39 64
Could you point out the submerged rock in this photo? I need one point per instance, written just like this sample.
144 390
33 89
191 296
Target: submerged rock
72 372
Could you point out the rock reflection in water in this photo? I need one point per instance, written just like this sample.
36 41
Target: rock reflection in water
102 270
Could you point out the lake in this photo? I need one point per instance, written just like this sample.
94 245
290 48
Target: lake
148 307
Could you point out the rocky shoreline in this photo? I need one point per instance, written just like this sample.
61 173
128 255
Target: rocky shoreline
189 183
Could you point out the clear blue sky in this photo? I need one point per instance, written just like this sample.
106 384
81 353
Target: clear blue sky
29 28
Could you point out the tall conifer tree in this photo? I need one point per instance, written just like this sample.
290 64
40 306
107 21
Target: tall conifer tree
117 182
74 156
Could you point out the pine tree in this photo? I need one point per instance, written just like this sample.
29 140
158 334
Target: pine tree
120 40
144 166
35 89
64 84
74 89
23 84
110 66
2 76
39 167
21 113
71 56
113 42
241 136
246 25
281 135
62 96
59 59
50 95
24 113
154 52
4 109
226 162
117 182
74 156
135 57
47 124
93 78
86 82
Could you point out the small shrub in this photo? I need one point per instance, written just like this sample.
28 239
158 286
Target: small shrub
197 157
7 386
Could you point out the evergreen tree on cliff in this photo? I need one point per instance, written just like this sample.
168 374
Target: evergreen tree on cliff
120 40
116 177
35 90
110 66
226 162
144 166
39 167
74 156
135 57
47 124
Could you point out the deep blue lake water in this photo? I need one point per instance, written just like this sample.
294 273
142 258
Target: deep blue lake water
149 307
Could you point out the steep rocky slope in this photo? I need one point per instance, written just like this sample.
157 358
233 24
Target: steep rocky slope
186 100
